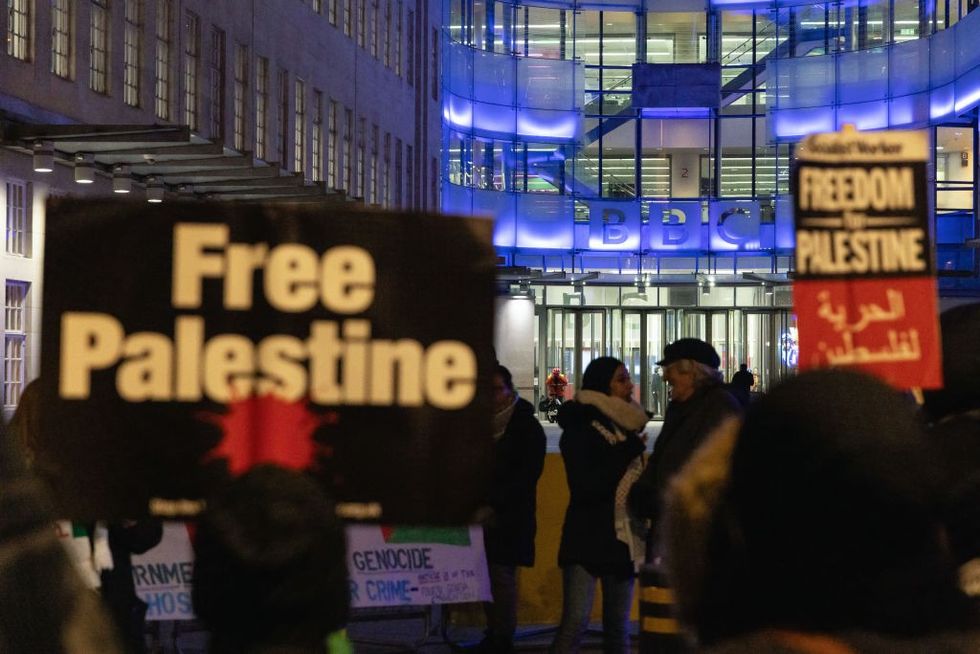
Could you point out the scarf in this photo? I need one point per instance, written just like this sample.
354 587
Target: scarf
627 417
502 418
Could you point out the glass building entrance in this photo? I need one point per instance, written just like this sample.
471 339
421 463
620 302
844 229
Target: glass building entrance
763 339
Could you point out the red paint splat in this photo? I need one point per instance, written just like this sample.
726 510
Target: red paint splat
267 429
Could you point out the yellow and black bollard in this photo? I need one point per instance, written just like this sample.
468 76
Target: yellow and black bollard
659 631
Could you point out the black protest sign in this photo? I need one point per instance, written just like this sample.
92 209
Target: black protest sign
185 343
865 289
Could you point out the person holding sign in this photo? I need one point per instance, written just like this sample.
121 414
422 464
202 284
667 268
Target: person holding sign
602 450
270 572
509 530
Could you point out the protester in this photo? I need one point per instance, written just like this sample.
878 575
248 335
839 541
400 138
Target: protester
118 589
100 552
823 534
954 414
510 528
601 447
741 385
698 404
656 391
270 569
44 606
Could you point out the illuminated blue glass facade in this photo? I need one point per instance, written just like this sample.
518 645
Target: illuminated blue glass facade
636 156
545 128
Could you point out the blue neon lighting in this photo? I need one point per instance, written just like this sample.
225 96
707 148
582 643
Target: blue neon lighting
800 122
675 112
458 112
941 102
864 115
546 124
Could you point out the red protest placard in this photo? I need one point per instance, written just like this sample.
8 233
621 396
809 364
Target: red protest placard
865 294
886 327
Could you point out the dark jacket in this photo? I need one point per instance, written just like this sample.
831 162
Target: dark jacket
518 461
686 425
118 589
593 468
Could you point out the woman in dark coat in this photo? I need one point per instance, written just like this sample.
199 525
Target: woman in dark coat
602 449
509 532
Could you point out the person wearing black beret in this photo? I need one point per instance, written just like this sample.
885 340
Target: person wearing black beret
698 404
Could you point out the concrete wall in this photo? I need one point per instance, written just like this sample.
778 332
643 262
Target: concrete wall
513 339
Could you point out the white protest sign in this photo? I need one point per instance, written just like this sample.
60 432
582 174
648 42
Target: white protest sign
402 566
388 566
163 575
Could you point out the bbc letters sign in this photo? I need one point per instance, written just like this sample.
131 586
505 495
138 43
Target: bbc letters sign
677 226
186 343
617 226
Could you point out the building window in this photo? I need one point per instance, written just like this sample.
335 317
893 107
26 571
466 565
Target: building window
14 343
361 171
19 29
98 62
398 173
62 21
398 38
361 21
434 183
410 177
348 11
373 197
348 150
161 88
434 80
132 49
241 94
410 50
332 144
18 219
332 12
386 171
261 105
316 147
216 79
386 36
282 118
192 60
299 128
373 21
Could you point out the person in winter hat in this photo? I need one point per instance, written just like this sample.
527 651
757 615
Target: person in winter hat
698 404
